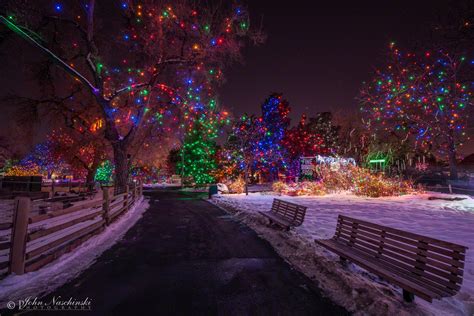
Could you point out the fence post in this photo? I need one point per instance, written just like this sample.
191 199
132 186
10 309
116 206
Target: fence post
125 198
134 194
106 204
19 233
450 189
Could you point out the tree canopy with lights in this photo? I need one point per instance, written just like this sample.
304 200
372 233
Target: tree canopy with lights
419 99
143 62
271 154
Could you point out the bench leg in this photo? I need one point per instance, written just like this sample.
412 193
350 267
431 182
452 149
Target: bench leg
408 297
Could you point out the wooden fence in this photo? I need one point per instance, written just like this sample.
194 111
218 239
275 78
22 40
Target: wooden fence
38 239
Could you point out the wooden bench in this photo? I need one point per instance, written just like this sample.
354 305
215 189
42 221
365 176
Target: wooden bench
286 214
420 265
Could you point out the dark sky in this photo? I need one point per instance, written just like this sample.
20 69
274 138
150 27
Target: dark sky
318 52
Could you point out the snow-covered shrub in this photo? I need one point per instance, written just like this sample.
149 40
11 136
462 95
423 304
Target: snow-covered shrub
278 186
222 188
357 180
378 185
336 180
238 186
317 188
300 188
310 188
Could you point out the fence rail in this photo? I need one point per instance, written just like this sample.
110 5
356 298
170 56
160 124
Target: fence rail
450 189
38 239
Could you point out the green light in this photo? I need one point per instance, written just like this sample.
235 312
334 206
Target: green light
377 161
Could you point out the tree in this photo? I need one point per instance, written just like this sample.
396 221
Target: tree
104 172
353 137
199 155
135 64
418 99
82 151
271 154
241 148
316 136
172 161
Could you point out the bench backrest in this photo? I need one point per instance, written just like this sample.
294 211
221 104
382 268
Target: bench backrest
436 263
293 213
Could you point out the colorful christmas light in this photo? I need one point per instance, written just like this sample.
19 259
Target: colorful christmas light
419 99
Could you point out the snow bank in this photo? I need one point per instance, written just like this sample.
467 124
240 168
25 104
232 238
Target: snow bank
70 265
363 292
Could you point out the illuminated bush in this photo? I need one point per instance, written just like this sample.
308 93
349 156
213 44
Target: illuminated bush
238 186
22 171
377 185
278 186
359 181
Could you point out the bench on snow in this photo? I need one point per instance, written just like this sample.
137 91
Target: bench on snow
420 265
286 214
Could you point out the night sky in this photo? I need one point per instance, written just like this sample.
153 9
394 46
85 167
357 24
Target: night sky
319 52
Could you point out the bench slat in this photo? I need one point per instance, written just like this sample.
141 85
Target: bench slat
415 243
277 219
393 248
427 267
371 266
399 232
433 250
401 262
286 214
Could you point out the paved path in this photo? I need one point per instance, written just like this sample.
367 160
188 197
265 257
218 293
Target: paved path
188 257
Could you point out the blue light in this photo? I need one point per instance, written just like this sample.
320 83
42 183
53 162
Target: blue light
124 5
58 7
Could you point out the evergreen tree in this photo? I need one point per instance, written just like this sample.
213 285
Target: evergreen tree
271 154
322 129
316 136
199 155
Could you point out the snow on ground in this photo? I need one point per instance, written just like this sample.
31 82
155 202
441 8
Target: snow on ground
70 265
446 220
6 211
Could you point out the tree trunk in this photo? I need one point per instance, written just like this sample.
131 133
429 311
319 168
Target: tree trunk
453 169
246 179
182 165
122 165
91 171
90 178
